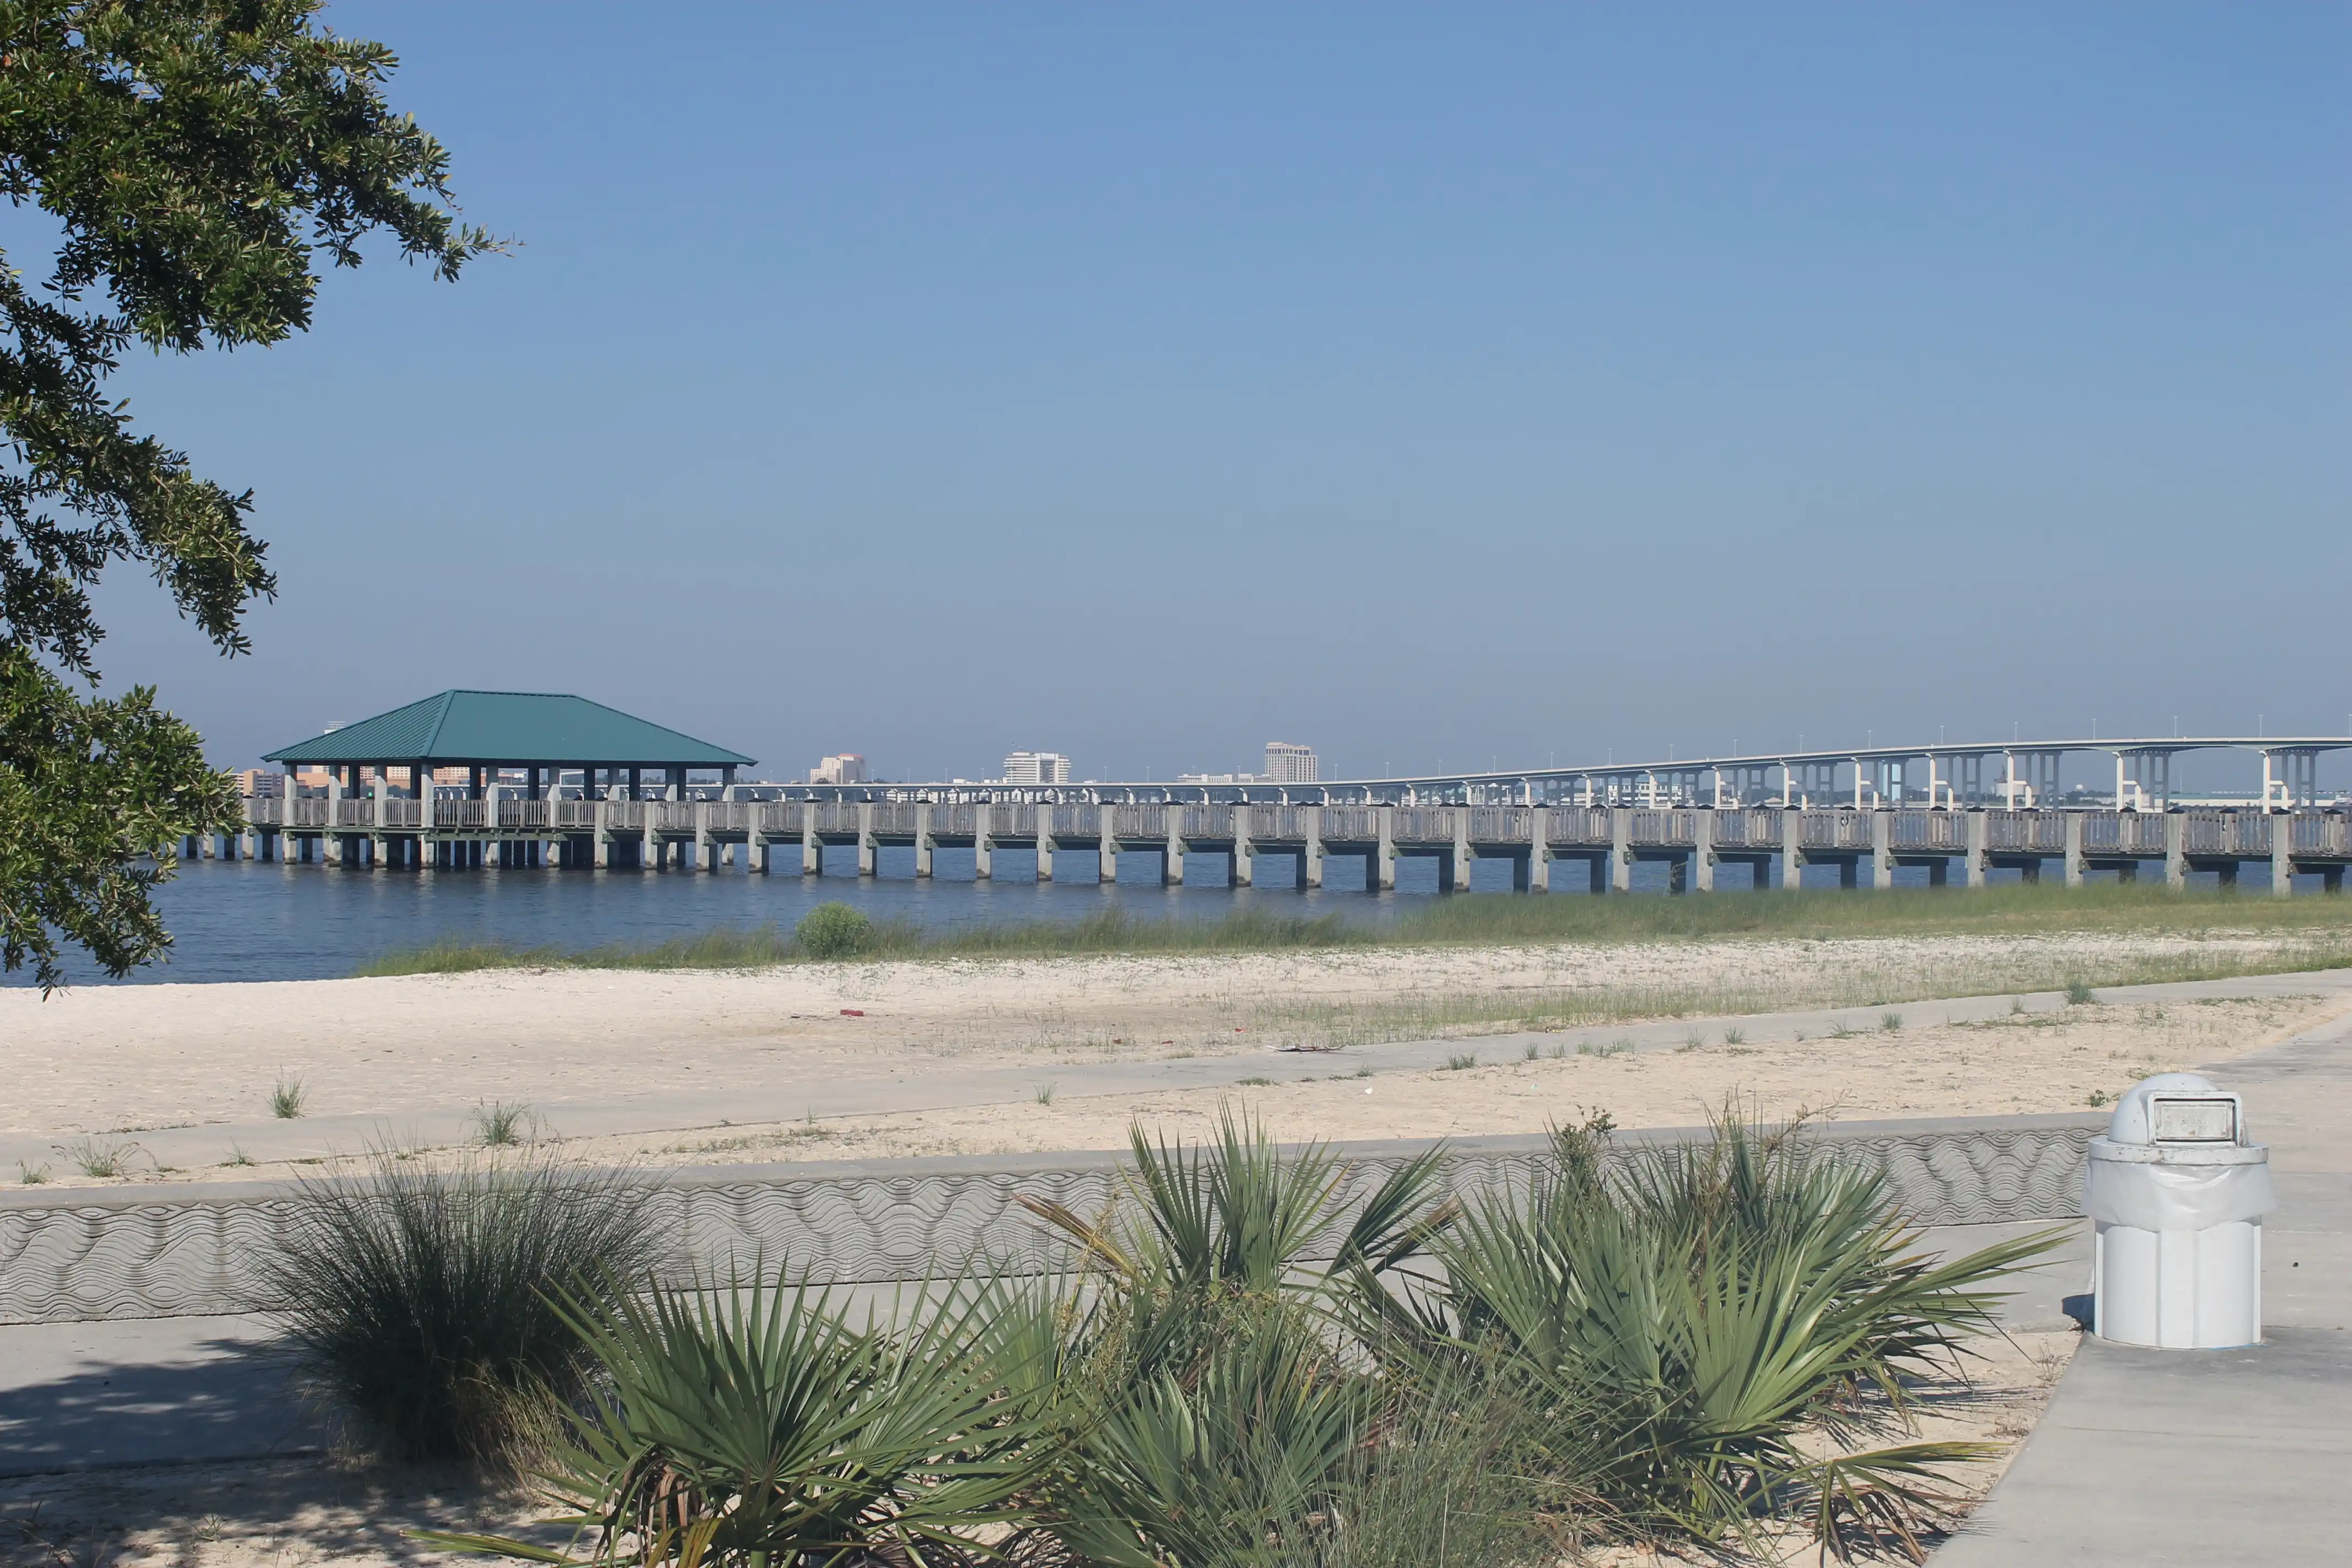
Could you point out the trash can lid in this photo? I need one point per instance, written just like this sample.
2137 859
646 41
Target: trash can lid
2177 1108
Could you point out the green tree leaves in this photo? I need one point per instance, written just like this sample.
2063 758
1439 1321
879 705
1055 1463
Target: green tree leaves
196 157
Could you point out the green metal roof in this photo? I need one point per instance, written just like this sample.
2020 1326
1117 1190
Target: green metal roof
509 727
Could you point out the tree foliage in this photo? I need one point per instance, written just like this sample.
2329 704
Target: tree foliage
196 159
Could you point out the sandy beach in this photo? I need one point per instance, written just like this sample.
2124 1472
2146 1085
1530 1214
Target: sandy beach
690 1067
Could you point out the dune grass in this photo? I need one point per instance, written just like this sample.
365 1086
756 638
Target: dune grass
1482 920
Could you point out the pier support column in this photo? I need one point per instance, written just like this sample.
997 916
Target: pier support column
867 851
1450 874
2176 849
1310 862
812 852
1620 849
1243 870
1940 872
705 849
1703 851
1882 850
2074 849
1848 873
1539 850
1678 874
600 842
1464 855
1171 869
1523 871
1597 868
2282 854
923 846
1106 843
1976 831
1792 847
1044 842
1382 873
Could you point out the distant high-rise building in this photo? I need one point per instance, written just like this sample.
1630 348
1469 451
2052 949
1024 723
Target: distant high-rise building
1287 763
848 768
1036 768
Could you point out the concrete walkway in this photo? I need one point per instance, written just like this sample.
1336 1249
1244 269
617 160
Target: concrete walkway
2148 1458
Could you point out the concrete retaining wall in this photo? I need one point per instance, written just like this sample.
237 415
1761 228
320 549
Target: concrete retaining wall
163 1251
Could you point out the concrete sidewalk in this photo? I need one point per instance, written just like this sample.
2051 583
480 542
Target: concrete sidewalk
2148 1458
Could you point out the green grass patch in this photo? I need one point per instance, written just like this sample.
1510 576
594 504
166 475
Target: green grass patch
1488 920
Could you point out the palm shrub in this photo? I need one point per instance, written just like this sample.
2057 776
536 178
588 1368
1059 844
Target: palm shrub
1216 1396
420 1300
1719 1312
758 1426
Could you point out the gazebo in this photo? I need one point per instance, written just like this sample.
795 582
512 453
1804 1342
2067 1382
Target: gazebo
541 734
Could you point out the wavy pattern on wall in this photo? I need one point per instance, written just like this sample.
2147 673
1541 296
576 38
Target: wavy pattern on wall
98 1255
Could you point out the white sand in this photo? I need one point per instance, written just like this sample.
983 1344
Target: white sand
109 1059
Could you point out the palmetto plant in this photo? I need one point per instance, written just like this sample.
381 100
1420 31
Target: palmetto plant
1715 1307
759 1427
1215 1409
1242 1216
1233 1461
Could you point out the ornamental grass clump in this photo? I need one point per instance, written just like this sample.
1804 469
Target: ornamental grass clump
424 1304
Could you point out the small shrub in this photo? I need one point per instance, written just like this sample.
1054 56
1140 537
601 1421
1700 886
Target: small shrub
1734 1036
31 1176
1462 1062
834 930
424 1303
1363 1072
286 1099
1890 1023
1839 1031
2080 995
1533 1051
2099 1098
499 1125
101 1157
1693 1039
1045 1093
238 1156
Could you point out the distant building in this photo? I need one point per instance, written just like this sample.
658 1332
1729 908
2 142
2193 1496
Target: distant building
848 768
1287 763
1217 778
1036 768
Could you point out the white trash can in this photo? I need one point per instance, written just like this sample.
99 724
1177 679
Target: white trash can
2176 1194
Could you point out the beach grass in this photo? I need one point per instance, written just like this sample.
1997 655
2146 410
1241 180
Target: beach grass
1491 920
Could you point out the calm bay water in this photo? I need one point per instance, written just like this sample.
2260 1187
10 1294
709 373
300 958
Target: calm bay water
268 920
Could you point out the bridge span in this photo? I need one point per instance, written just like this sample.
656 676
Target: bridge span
1945 808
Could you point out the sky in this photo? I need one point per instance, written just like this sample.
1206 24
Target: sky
1435 385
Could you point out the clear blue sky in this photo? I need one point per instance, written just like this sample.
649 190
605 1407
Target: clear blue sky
1420 383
